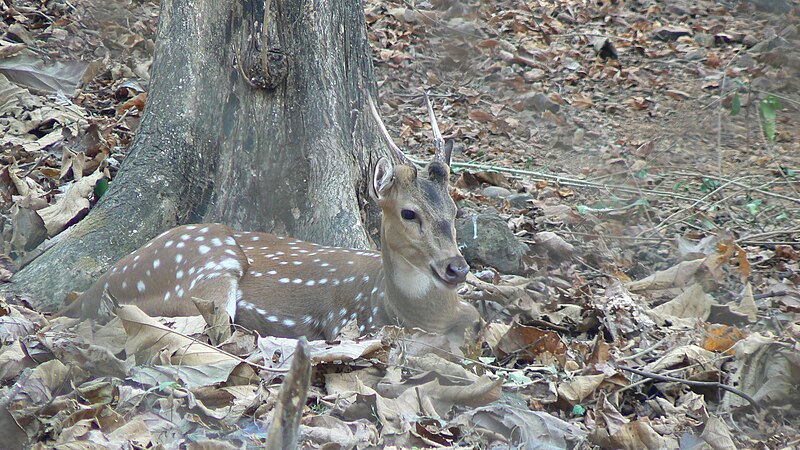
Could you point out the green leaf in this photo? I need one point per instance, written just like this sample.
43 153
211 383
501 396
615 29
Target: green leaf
487 359
781 217
736 105
578 410
709 185
100 188
769 112
681 186
519 378
753 207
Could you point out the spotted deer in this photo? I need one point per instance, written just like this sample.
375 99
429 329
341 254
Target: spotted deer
286 287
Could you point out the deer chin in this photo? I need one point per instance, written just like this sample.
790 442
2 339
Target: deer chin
440 280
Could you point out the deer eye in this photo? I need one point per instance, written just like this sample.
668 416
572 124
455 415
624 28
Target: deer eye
408 214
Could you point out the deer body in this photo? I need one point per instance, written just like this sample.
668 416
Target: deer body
274 285
286 287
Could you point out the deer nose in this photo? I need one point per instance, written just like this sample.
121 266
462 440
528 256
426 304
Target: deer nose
456 270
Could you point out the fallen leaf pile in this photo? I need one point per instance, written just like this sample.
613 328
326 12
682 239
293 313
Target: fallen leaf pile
626 174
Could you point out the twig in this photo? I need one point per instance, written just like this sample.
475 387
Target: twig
619 238
566 181
642 352
715 384
665 221
767 234
736 183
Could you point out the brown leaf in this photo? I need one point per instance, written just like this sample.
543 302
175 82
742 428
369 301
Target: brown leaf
533 344
72 206
722 338
582 101
137 102
480 116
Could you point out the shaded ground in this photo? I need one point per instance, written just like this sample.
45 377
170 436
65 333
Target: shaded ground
663 232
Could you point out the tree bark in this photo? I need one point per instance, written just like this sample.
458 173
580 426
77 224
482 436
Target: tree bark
280 143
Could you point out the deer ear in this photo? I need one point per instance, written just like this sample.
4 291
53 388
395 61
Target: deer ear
448 152
382 178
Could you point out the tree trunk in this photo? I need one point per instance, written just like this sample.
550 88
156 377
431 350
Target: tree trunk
281 144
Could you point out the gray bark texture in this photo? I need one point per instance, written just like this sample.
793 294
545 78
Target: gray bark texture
278 141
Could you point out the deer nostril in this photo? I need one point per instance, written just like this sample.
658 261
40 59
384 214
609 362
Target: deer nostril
457 270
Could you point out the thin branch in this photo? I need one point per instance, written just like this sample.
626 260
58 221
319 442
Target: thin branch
767 234
715 384
736 183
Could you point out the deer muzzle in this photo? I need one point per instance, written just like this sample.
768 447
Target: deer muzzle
452 271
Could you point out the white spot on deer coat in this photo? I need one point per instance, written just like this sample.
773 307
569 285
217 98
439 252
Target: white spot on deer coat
140 286
203 249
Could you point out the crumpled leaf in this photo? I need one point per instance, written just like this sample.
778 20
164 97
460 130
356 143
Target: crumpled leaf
13 361
717 435
44 382
13 324
579 387
277 352
45 76
329 430
194 362
684 355
533 344
691 303
520 427
71 206
769 371
636 435
678 275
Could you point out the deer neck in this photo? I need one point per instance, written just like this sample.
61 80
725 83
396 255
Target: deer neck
414 298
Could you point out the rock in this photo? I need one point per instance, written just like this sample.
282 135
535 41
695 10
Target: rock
539 102
696 55
773 6
485 239
671 33
554 245
534 75
520 201
750 40
495 192
562 213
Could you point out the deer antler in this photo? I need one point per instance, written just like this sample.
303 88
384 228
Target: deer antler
442 150
438 141
384 131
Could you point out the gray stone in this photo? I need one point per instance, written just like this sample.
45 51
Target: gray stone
539 102
485 239
495 192
773 6
520 201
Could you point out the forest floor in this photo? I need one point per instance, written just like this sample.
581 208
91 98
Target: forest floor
647 153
